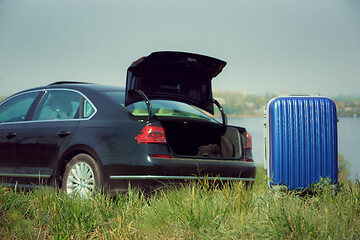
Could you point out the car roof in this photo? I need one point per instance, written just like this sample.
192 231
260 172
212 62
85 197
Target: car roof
83 85
76 86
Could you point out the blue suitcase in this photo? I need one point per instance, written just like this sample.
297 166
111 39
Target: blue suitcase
301 145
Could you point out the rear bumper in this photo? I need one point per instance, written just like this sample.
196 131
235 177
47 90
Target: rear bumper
164 171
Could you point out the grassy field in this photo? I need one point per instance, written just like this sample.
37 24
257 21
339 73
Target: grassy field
191 212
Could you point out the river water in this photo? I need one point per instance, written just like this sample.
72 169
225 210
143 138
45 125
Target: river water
348 143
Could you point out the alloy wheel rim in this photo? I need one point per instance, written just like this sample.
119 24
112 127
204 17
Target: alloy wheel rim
81 180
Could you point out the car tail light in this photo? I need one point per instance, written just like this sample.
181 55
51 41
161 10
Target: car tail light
248 146
248 160
151 134
248 141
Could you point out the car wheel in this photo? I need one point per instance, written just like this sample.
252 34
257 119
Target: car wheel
82 176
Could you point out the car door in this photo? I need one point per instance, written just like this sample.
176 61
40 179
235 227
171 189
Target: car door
43 140
13 114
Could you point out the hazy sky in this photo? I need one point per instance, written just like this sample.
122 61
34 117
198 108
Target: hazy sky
302 46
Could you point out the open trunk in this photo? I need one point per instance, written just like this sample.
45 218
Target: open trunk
203 139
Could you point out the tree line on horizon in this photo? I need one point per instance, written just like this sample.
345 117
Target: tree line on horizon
243 104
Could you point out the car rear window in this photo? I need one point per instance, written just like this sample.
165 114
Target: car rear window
160 108
167 108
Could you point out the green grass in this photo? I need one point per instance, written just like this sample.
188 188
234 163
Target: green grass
195 211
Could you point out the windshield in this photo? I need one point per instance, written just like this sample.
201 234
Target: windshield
160 108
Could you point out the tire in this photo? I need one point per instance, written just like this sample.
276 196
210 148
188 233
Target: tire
82 176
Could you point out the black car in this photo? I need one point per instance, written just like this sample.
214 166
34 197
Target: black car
82 136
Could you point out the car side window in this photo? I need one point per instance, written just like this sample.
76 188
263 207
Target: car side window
58 105
88 109
16 108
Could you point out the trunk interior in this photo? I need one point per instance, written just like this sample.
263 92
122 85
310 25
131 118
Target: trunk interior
204 139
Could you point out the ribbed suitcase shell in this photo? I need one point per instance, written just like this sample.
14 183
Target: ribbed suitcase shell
301 141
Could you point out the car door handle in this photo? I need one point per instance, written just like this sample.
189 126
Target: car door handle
10 135
63 134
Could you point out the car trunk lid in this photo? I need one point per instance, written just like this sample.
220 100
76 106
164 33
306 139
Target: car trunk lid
178 76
